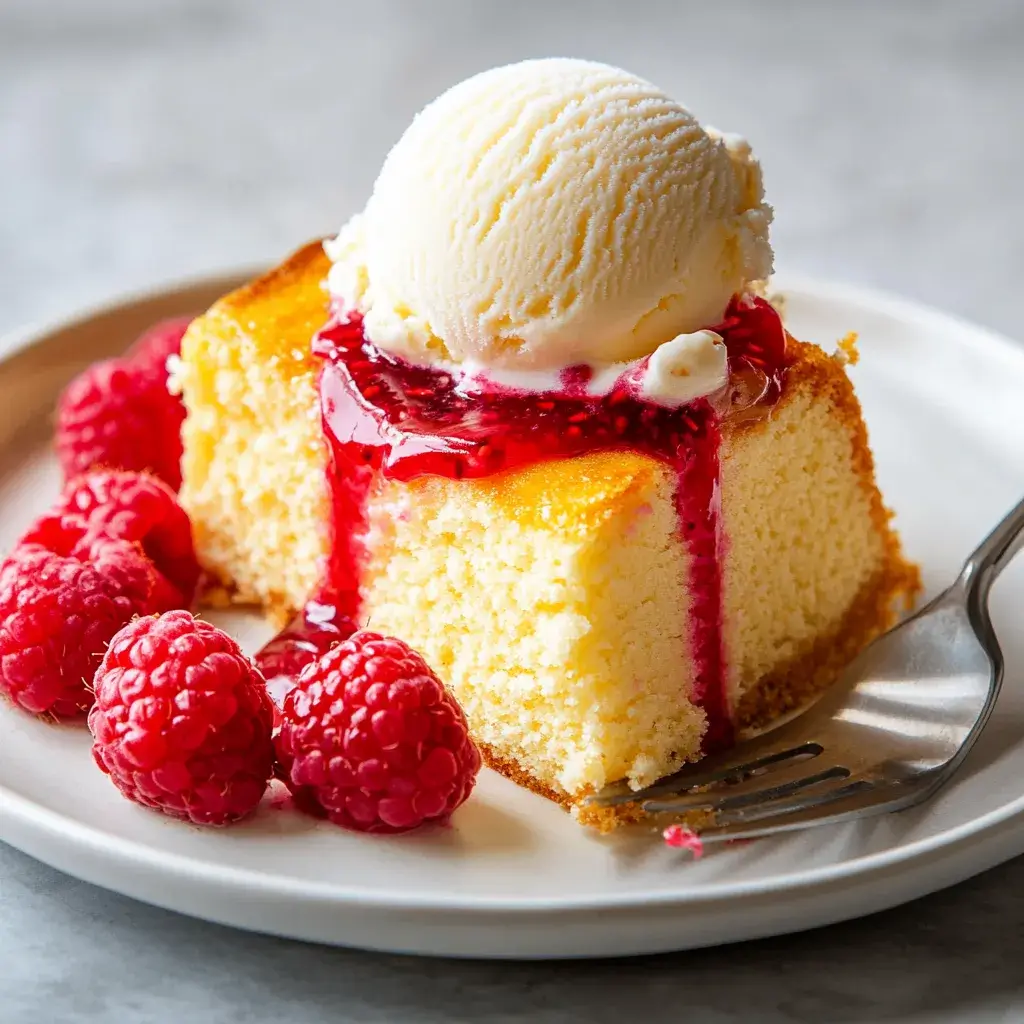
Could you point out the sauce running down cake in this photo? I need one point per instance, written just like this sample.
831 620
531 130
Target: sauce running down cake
530 413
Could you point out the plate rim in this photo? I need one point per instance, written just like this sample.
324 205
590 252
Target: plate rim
46 824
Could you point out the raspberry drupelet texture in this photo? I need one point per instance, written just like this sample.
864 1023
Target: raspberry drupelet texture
371 739
57 614
127 506
120 415
182 720
154 347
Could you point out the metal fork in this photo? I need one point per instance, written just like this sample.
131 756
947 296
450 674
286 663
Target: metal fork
896 726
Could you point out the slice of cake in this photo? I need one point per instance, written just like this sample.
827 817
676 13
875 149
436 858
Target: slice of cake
554 599
535 421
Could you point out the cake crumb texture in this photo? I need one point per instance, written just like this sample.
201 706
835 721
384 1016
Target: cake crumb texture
814 570
553 602
255 460
801 540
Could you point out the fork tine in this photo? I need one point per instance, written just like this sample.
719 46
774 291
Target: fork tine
796 802
760 789
706 772
855 799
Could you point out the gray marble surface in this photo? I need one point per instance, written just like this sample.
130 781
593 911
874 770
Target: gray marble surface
142 140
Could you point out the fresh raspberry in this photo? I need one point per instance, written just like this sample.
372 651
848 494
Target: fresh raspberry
371 739
57 614
108 555
120 415
182 720
126 506
154 347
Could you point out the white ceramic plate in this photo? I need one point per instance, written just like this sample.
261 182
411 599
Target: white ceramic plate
514 876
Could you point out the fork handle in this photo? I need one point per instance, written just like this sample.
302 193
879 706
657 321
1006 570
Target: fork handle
996 551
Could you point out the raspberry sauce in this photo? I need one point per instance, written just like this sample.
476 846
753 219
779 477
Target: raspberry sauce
384 416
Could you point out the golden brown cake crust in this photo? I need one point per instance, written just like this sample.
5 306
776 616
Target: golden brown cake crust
287 303
603 819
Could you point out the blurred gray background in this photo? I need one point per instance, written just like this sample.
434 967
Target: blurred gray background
148 139
143 140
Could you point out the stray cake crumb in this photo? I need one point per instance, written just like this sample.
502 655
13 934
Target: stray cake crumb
846 350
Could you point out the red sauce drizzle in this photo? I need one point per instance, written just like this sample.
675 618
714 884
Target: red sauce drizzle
382 415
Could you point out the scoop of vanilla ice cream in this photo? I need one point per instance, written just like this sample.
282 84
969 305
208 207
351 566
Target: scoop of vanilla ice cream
550 213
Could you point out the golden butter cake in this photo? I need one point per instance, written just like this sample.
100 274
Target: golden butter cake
609 588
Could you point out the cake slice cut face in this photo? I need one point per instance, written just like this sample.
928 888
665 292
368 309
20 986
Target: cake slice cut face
609 587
